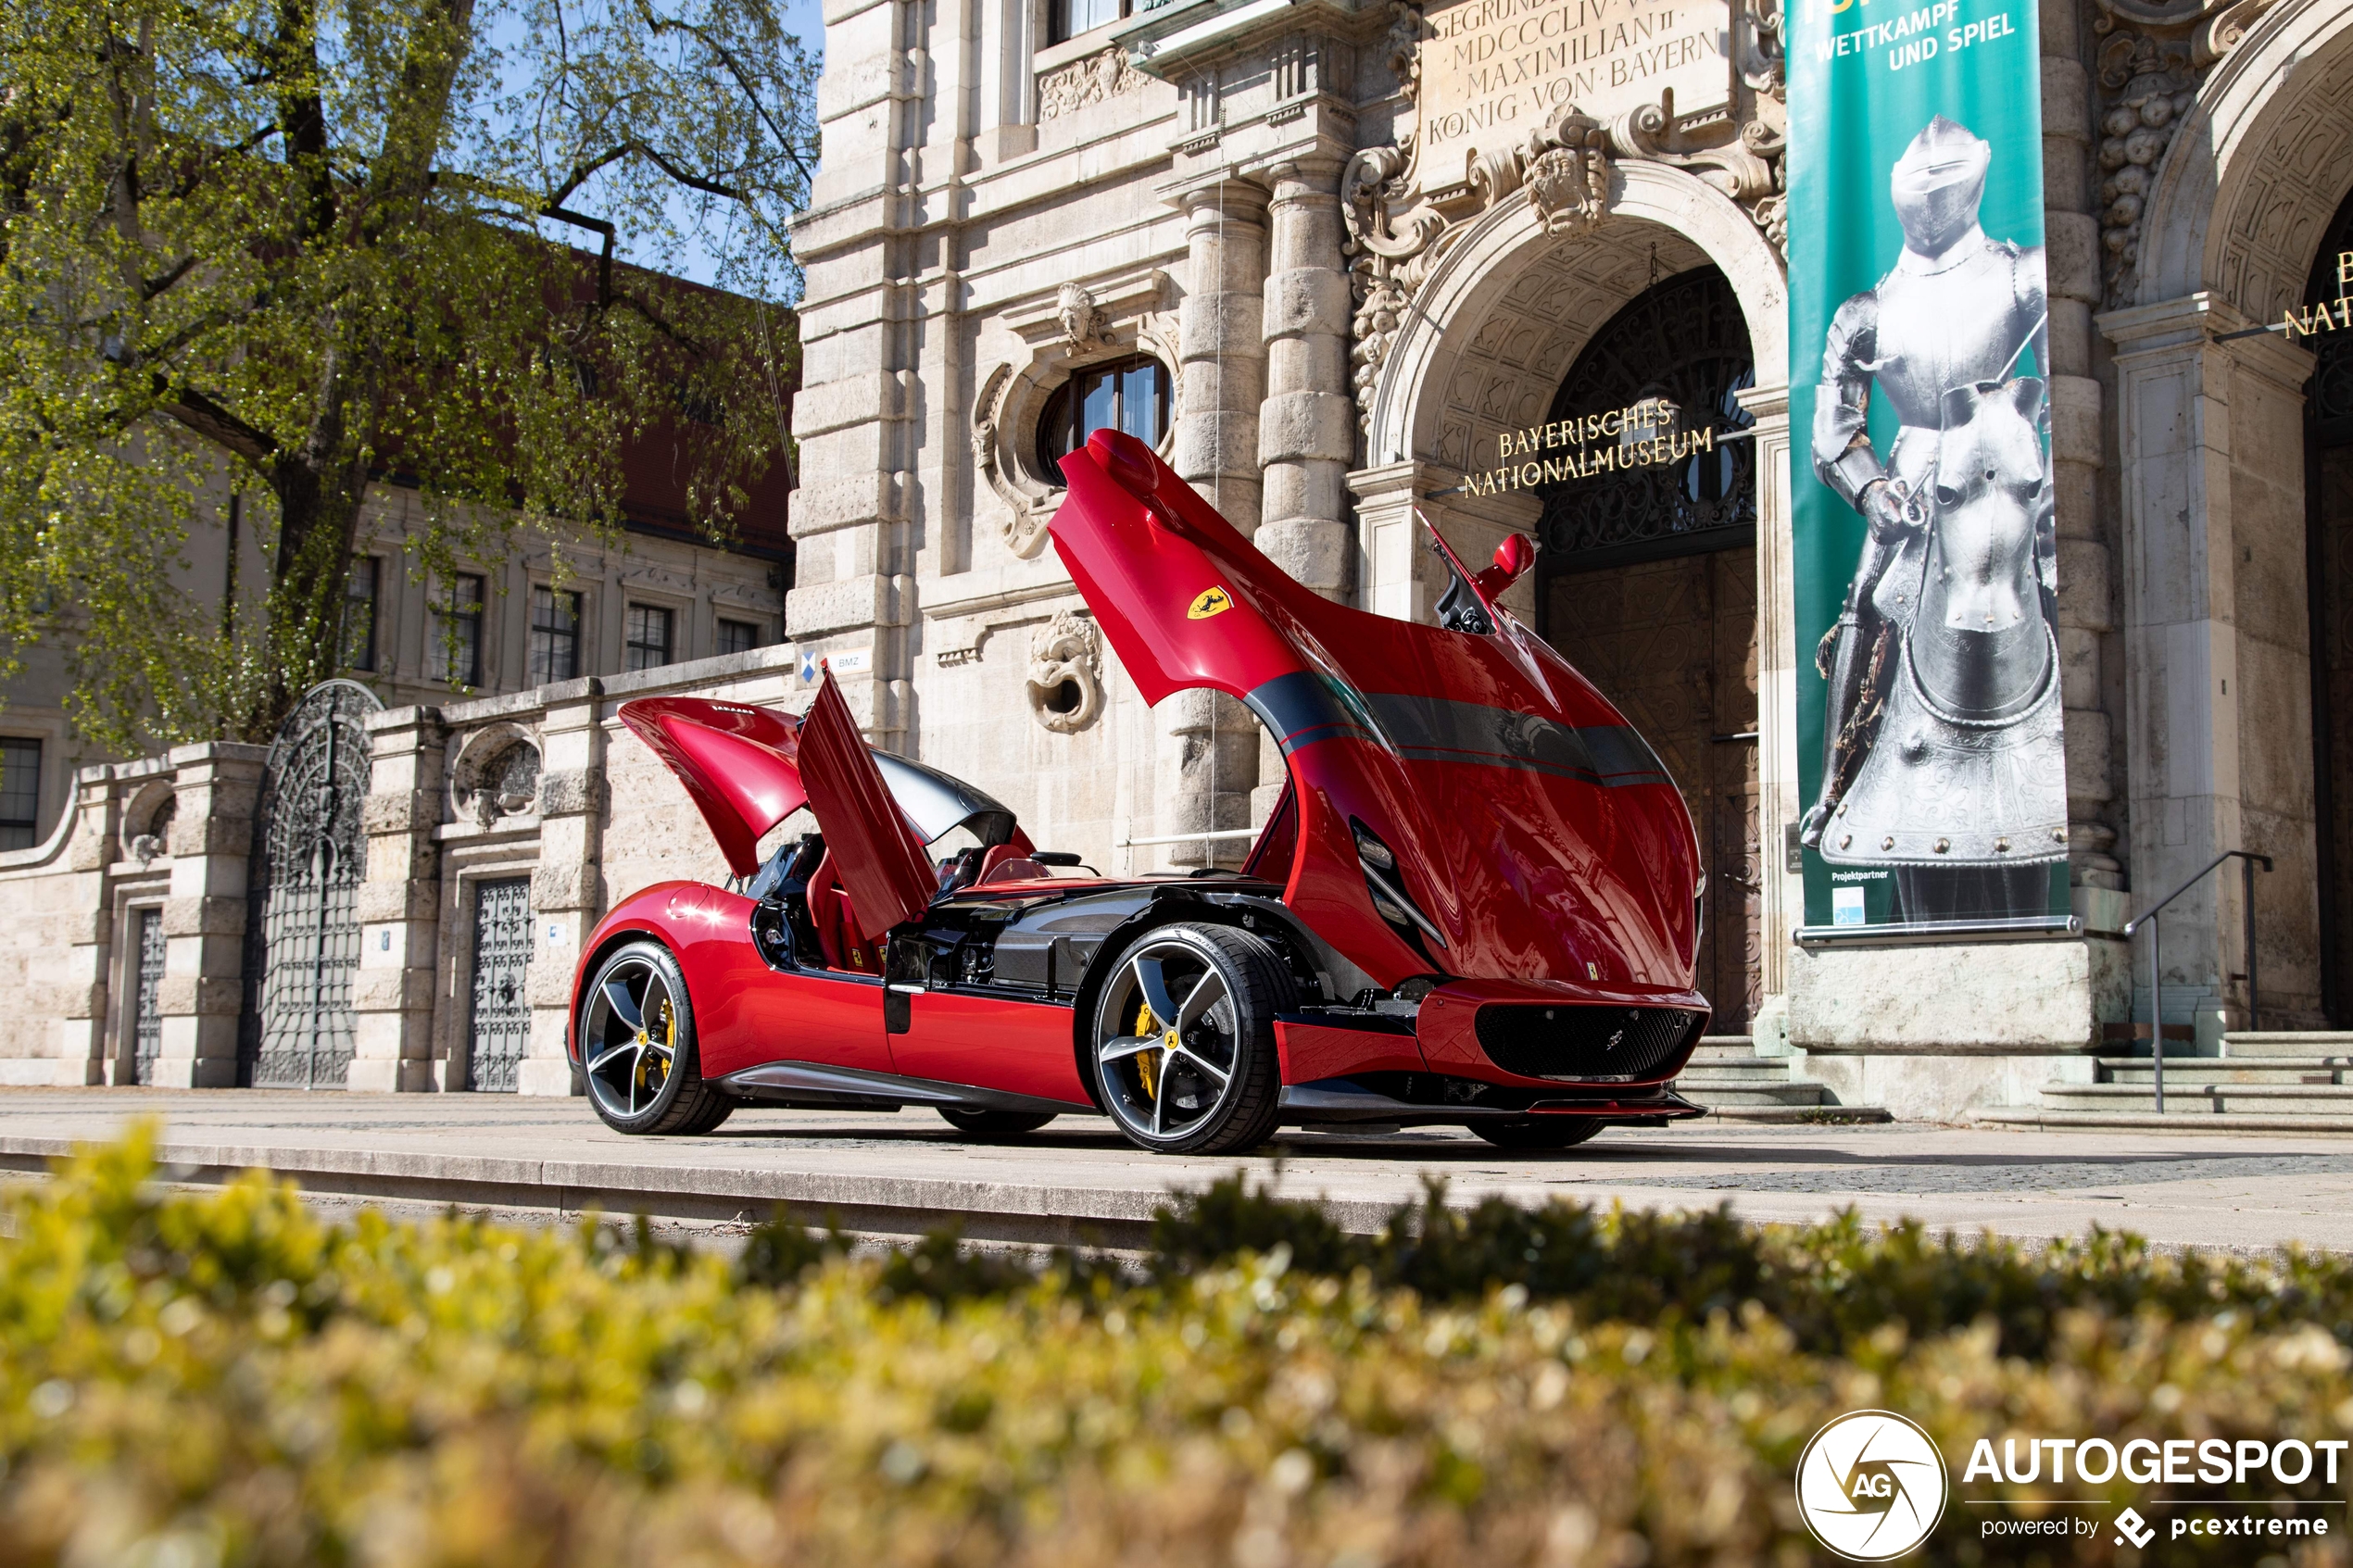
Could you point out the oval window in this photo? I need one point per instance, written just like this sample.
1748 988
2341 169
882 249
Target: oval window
1129 394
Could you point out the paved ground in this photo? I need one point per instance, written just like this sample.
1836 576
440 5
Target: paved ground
1077 1181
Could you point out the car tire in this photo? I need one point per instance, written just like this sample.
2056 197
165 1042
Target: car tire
1219 1089
978 1124
638 1046
1539 1131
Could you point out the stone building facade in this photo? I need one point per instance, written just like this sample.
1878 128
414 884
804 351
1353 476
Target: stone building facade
1242 230
483 838
1262 206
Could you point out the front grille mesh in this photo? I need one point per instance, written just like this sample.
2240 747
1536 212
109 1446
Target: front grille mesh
1583 1042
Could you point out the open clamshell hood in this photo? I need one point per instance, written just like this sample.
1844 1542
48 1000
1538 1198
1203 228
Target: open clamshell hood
741 765
1535 830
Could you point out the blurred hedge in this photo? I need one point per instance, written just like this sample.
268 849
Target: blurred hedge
194 1381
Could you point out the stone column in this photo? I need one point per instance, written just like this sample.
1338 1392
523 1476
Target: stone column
1307 424
1779 801
1222 368
399 903
2086 567
568 889
83 997
861 324
2200 741
217 787
1207 749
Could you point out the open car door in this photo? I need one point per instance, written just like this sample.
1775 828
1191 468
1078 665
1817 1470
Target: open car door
880 860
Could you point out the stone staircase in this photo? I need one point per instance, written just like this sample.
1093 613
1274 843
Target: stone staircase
1736 1085
2262 1082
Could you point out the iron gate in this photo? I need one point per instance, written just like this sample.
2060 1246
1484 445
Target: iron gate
501 1028
146 1015
302 923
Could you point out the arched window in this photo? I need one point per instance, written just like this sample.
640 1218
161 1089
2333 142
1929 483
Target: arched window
1129 394
1685 341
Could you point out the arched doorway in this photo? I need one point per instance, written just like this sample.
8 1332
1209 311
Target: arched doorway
2328 499
302 920
1648 584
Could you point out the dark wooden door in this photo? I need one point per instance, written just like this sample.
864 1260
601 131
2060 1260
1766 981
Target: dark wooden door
1673 644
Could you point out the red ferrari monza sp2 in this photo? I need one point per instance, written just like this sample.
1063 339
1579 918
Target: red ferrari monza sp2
1476 903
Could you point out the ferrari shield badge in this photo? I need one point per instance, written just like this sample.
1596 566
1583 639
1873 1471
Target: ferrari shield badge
1213 601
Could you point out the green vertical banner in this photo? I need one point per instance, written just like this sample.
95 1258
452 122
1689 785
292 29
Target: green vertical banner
1931 762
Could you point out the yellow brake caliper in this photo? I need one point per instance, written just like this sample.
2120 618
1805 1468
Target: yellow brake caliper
667 1022
1145 1060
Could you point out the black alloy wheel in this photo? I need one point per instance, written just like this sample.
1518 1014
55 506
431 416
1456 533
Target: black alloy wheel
974 1122
1184 1040
638 1046
1539 1131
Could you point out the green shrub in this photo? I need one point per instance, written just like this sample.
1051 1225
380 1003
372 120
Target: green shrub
227 1379
1828 1284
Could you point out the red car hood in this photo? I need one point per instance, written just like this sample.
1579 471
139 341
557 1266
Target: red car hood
1538 832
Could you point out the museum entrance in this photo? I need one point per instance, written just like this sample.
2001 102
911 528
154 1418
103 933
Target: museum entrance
2328 499
1647 583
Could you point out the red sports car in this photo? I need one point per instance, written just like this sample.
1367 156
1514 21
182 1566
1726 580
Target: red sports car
1476 903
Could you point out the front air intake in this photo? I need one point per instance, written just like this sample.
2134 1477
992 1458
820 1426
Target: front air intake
1584 1043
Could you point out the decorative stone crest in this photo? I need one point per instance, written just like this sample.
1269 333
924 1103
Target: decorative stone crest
1065 679
1084 83
1402 216
2149 66
1567 184
1083 323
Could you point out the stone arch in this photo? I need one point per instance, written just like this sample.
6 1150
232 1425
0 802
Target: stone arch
1491 310
2245 191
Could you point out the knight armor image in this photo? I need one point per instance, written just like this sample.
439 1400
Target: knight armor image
1943 755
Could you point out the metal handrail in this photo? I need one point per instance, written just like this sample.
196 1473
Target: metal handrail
2247 861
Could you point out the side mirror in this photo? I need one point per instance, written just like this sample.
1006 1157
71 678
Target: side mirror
1512 557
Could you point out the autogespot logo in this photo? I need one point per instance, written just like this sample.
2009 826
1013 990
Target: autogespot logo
1871 1486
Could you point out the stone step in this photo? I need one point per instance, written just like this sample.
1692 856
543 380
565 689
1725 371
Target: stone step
2193 1097
1764 1071
2175 1119
1801 1093
1735 1084
1801 1115
2288 1070
2244 1042
1728 1047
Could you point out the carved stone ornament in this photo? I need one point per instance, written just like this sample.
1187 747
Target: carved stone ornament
2150 63
1013 397
1084 83
1083 323
1568 184
147 825
1065 679
495 774
1402 216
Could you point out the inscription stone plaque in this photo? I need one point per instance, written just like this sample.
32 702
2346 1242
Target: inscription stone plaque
1492 70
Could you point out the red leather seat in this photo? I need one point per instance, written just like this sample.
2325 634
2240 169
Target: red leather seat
831 912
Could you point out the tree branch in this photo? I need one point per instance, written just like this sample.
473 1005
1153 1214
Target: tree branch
217 424
736 70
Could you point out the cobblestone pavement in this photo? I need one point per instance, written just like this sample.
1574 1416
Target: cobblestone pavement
905 1172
